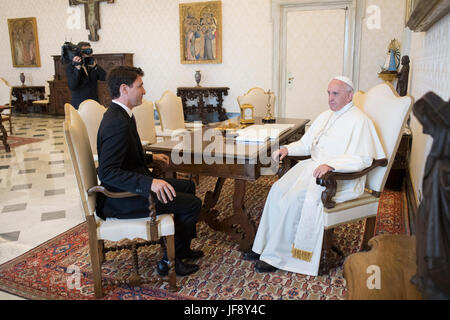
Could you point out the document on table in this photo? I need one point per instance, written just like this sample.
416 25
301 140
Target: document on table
261 133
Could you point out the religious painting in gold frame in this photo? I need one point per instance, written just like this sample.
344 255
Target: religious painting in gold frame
24 42
201 32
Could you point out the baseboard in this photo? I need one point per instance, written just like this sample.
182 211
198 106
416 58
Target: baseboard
412 203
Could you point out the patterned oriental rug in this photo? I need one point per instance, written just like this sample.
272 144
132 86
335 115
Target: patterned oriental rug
14 141
43 272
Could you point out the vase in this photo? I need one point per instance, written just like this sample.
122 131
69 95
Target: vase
198 77
22 79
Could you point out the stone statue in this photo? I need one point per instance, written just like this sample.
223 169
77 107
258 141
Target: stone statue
403 76
433 219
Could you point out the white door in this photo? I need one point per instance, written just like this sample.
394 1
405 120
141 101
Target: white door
315 49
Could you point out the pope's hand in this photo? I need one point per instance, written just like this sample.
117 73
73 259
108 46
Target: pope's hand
321 170
161 157
281 153
163 190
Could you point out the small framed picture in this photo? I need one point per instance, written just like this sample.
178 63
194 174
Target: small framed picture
23 37
201 32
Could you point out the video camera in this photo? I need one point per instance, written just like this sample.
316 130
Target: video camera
70 50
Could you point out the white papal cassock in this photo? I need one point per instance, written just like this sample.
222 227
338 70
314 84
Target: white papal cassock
291 229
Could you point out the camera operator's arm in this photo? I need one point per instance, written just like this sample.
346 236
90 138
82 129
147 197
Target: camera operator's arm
101 74
73 75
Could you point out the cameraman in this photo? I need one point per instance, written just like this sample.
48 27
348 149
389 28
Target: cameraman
82 75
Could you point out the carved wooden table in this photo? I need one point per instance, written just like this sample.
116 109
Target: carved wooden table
240 162
24 96
200 93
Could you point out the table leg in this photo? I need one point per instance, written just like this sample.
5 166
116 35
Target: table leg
239 226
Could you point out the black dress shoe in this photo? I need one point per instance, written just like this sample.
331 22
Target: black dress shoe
181 269
262 266
250 255
191 254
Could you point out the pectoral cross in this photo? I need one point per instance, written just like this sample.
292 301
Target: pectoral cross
92 13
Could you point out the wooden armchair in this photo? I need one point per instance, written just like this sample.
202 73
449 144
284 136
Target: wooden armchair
378 102
154 229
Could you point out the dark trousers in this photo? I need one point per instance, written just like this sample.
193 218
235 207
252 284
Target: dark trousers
186 210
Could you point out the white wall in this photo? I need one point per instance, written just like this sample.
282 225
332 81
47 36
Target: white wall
430 71
150 30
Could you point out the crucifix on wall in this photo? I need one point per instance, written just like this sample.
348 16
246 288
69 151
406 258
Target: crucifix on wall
92 13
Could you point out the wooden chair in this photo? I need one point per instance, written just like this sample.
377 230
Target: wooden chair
259 99
6 103
150 229
44 103
145 122
171 118
92 114
380 101
170 111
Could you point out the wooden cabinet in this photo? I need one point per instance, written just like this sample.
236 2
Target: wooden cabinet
60 92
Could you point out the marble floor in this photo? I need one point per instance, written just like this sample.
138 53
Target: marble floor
39 196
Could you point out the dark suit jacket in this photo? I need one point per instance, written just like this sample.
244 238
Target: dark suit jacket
122 166
83 86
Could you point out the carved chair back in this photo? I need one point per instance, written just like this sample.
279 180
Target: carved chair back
170 111
91 112
259 100
389 113
145 121
77 139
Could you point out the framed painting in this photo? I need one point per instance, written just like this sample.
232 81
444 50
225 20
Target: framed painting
201 32
23 37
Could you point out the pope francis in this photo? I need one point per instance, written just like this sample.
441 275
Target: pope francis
341 139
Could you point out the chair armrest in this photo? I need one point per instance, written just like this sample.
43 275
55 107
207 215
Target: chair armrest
329 181
153 225
158 168
287 163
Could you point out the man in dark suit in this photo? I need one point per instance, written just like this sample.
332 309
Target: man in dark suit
82 76
123 167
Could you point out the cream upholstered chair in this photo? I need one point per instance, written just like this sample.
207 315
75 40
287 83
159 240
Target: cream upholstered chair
259 99
6 102
150 229
358 99
171 116
170 111
145 122
92 114
379 101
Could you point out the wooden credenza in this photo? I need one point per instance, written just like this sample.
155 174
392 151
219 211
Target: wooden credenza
59 89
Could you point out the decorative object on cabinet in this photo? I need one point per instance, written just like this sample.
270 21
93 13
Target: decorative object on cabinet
201 32
403 77
23 37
